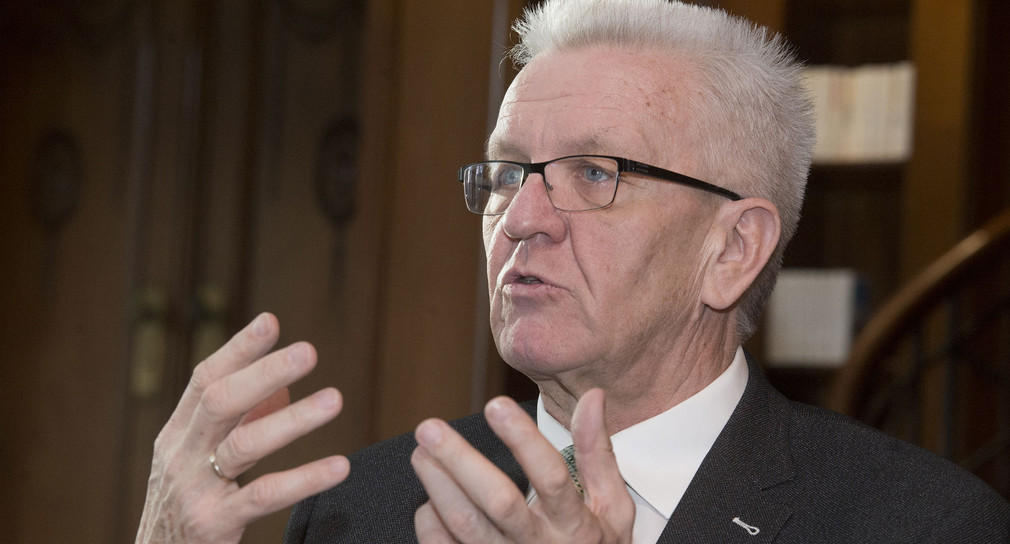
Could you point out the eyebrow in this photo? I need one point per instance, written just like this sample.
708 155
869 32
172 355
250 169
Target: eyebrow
494 149
498 149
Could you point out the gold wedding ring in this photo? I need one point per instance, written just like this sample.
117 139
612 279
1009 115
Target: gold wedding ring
217 468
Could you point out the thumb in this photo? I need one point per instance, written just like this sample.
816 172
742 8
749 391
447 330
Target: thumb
606 493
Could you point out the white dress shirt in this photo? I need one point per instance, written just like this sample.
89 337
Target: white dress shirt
659 456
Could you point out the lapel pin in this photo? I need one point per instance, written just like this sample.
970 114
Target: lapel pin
750 528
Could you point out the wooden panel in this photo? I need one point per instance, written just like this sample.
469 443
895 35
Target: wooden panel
319 89
992 114
936 185
433 244
61 345
203 134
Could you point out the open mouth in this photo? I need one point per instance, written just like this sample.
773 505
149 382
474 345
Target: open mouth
528 280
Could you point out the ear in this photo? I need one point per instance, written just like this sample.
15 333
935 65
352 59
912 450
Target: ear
743 237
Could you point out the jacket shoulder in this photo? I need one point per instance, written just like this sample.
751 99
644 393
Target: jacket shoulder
845 467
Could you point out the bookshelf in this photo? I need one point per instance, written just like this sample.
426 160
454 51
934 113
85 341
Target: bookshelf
889 220
907 212
852 212
848 32
857 212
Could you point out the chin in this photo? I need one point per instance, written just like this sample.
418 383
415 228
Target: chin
536 360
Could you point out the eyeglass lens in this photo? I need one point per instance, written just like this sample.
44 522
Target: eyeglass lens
573 183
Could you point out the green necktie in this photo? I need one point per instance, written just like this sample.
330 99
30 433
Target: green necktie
569 455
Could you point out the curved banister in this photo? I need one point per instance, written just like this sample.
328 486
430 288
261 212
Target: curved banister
886 326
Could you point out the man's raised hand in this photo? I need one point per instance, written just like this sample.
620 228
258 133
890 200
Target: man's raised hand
471 500
234 412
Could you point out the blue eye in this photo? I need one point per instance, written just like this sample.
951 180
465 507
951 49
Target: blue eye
510 176
592 173
593 170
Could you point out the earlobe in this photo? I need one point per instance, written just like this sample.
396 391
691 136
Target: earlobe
746 234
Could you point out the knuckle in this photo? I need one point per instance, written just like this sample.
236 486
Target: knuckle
202 377
503 506
215 400
242 444
461 521
262 493
556 482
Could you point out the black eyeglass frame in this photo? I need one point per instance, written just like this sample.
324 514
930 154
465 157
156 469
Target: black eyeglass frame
623 165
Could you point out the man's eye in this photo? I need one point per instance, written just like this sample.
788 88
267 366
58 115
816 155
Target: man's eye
510 177
595 174
591 171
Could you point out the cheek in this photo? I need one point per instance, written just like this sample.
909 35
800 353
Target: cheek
617 252
676 263
653 261
494 251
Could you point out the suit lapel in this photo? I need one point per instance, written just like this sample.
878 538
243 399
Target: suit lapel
727 499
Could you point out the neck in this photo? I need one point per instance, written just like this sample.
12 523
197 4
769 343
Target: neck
639 390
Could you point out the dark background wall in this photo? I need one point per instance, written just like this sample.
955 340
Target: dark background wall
170 168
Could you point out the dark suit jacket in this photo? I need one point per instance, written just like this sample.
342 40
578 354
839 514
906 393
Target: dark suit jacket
798 474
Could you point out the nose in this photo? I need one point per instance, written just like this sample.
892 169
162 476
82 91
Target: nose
532 213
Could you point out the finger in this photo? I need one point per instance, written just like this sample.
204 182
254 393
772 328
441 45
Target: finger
225 401
429 528
470 494
606 493
272 492
544 466
250 442
280 399
246 346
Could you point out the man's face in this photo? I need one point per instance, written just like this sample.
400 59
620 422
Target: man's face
609 293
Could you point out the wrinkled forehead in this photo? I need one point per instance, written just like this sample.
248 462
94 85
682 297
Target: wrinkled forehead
594 100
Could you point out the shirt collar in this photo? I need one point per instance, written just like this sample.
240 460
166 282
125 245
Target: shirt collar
658 457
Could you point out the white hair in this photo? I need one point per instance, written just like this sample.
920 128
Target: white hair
751 116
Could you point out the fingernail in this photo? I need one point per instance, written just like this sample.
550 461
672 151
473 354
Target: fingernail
299 353
498 409
327 399
494 409
260 325
428 433
338 466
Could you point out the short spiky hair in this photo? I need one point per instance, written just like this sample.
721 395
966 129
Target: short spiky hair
752 116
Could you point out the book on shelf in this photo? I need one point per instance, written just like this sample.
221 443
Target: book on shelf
864 114
812 317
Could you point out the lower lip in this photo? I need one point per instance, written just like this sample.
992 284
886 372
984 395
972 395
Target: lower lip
527 289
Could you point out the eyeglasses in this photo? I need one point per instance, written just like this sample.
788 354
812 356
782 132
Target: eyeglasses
576 183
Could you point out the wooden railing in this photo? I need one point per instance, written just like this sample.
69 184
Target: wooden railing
933 365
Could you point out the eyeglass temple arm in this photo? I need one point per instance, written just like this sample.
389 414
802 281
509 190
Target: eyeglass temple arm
669 175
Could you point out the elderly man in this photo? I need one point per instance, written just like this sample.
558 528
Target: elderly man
623 285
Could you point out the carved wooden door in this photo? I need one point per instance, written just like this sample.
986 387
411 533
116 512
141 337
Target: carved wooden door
169 169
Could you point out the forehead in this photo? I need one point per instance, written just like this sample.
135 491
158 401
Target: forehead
594 100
